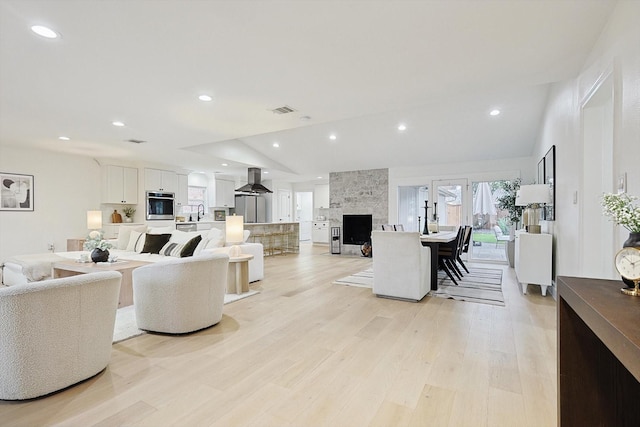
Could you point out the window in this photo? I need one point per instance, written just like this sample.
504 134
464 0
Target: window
196 196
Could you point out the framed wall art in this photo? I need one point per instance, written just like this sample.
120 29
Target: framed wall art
16 192
540 179
550 178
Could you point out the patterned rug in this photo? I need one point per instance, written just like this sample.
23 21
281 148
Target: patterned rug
481 285
126 326
364 279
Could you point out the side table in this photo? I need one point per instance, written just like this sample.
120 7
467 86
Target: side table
238 274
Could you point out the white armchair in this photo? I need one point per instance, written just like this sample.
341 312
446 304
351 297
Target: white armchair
401 265
181 295
55 333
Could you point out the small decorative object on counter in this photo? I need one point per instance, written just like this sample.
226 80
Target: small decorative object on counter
628 265
623 211
129 211
116 218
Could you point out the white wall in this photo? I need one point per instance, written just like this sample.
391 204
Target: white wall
618 52
65 188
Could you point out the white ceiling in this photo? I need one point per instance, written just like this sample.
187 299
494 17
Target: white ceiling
356 68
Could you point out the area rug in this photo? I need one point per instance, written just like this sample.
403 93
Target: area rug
480 285
363 279
126 326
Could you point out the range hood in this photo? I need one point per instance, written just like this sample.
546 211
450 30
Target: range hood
254 185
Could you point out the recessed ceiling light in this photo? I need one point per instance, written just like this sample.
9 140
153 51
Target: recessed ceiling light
116 123
266 172
45 32
332 137
225 164
402 126
494 112
64 138
205 98
276 145
319 177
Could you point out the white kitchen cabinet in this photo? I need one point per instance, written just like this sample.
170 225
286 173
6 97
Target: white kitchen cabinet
182 192
119 185
321 196
533 260
320 232
160 180
225 194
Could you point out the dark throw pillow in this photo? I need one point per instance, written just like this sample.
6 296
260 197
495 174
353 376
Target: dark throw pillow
154 242
190 246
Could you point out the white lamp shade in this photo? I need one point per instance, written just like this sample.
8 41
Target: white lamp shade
94 220
234 229
529 194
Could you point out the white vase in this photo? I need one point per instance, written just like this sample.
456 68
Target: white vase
127 219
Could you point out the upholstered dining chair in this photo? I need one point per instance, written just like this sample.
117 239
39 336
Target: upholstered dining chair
401 265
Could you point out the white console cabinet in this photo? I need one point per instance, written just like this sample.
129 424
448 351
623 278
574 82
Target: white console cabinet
533 260
320 232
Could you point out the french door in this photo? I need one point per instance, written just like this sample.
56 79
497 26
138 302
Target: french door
449 198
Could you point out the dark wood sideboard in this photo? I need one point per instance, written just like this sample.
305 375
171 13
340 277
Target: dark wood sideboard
598 354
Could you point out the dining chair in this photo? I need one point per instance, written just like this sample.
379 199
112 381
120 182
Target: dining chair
466 239
447 254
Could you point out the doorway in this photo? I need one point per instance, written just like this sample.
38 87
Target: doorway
284 205
304 213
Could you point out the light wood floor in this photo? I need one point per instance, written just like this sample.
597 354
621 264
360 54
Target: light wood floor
305 352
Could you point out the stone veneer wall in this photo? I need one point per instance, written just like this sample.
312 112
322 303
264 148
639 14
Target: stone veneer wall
358 192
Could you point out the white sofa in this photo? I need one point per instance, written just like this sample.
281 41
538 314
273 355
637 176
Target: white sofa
181 295
55 333
30 268
401 265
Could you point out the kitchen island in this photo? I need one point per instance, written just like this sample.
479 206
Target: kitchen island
276 237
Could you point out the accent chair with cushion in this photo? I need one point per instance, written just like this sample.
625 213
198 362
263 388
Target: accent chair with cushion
180 295
55 333
401 265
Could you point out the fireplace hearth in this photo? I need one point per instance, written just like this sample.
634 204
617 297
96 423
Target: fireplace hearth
356 229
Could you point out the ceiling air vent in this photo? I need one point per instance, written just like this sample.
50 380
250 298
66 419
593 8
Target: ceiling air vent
135 141
283 110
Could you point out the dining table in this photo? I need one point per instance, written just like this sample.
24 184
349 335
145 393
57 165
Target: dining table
433 240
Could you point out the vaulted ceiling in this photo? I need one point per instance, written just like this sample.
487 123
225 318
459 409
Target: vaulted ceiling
353 69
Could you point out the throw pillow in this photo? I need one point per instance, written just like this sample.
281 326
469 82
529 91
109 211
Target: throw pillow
124 234
190 246
136 241
154 242
172 249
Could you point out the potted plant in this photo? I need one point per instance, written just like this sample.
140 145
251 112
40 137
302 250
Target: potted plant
129 211
507 202
98 246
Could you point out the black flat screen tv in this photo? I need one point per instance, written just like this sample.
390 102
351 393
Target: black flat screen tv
356 229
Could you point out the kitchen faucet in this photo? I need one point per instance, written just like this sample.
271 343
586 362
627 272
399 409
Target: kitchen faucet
199 211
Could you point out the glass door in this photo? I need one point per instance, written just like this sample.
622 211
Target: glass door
491 226
411 207
448 204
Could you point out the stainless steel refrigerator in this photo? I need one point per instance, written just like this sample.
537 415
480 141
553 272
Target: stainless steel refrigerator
252 208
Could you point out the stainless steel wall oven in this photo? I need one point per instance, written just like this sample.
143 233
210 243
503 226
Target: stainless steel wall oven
160 206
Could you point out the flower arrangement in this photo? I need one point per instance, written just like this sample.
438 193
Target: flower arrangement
129 211
622 210
95 240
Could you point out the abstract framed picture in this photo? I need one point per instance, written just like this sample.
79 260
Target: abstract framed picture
16 192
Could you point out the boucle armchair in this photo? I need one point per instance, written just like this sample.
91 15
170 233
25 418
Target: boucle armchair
182 295
55 333
401 265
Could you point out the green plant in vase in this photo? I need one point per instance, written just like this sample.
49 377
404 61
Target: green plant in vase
129 211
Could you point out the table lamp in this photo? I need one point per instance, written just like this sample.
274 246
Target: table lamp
94 220
533 196
234 230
